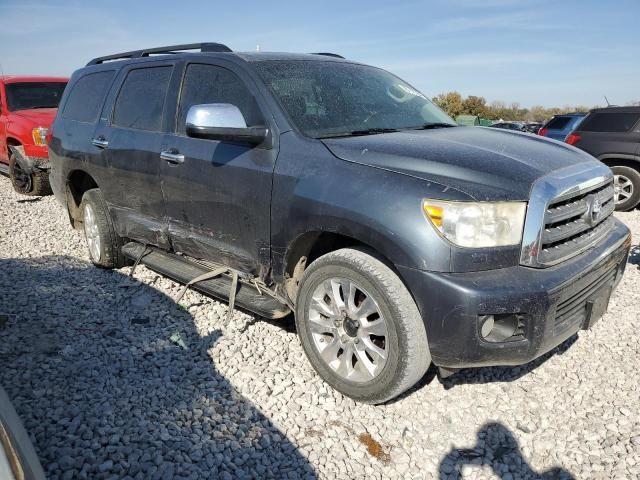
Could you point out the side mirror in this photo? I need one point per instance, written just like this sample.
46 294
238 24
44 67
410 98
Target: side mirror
222 121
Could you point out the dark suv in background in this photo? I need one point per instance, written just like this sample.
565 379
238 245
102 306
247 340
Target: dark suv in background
311 184
612 135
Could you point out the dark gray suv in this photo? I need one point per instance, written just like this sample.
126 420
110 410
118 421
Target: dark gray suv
314 185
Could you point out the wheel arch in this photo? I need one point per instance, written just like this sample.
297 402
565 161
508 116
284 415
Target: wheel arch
311 245
620 160
78 182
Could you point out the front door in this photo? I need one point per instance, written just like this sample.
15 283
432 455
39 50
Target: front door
131 136
218 194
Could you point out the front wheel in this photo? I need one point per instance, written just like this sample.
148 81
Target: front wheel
627 187
34 184
359 326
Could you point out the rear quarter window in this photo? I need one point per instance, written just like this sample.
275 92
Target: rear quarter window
610 122
86 97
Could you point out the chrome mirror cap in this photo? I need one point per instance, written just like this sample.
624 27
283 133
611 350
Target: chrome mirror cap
215 115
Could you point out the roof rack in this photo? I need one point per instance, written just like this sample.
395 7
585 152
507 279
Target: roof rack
203 47
327 54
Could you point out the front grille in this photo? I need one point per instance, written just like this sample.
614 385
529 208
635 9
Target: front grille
572 309
574 222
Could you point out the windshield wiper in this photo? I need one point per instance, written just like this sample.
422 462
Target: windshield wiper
355 133
430 125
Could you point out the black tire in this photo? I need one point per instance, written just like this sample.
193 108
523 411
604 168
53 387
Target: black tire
633 176
35 184
408 356
110 244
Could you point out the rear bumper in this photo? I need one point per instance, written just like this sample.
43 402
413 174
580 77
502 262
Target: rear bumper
550 303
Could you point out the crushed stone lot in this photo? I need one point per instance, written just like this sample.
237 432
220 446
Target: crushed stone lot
114 380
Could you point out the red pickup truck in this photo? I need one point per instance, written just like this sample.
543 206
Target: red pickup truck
27 108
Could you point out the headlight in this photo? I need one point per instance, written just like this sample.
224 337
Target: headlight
39 135
477 224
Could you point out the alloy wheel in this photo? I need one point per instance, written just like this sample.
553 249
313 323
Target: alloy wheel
623 189
348 330
91 232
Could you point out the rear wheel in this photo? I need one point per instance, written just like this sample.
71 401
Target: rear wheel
34 184
103 242
627 187
359 326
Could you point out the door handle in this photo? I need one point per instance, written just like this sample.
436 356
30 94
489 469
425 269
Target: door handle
172 156
100 142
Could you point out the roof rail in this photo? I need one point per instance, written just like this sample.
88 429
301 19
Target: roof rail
203 47
327 54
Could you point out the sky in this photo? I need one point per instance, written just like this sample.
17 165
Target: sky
538 52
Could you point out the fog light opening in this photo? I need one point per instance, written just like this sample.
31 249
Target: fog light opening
501 327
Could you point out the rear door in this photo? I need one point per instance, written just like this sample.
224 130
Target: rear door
130 135
218 198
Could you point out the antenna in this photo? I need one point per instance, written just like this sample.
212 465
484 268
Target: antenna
606 100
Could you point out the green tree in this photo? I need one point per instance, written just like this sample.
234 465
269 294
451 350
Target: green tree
450 102
473 105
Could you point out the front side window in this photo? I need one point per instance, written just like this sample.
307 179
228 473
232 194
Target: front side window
325 99
86 97
204 84
141 100
31 95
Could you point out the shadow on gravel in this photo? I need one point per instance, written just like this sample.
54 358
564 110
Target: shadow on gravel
503 374
496 447
96 365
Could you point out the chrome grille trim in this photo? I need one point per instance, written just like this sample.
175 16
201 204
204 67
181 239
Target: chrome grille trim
553 189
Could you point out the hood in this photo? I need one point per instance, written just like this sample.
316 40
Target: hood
484 163
40 117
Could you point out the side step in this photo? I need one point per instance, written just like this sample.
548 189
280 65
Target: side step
182 270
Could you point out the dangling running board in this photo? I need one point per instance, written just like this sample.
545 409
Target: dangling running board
247 296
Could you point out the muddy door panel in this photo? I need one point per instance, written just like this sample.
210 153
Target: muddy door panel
217 201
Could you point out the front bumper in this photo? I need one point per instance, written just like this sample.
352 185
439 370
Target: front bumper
452 304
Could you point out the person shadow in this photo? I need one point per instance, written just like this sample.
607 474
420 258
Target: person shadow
112 379
497 448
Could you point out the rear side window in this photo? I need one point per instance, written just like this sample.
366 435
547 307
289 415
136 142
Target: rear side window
86 96
140 103
558 123
211 84
610 122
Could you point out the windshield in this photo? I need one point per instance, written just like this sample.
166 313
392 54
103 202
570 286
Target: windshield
29 95
328 99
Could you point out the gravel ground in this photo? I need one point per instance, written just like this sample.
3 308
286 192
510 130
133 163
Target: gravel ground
114 380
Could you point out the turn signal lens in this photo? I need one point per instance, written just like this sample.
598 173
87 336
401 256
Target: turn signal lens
39 135
434 213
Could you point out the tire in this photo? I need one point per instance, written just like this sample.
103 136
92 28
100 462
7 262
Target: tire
631 177
364 377
103 242
35 184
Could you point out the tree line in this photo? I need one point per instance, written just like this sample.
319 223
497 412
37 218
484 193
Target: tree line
454 104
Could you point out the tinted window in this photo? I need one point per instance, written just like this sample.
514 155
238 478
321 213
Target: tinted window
558 123
610 122
86 96
325 98
29 95
210 84
140 103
